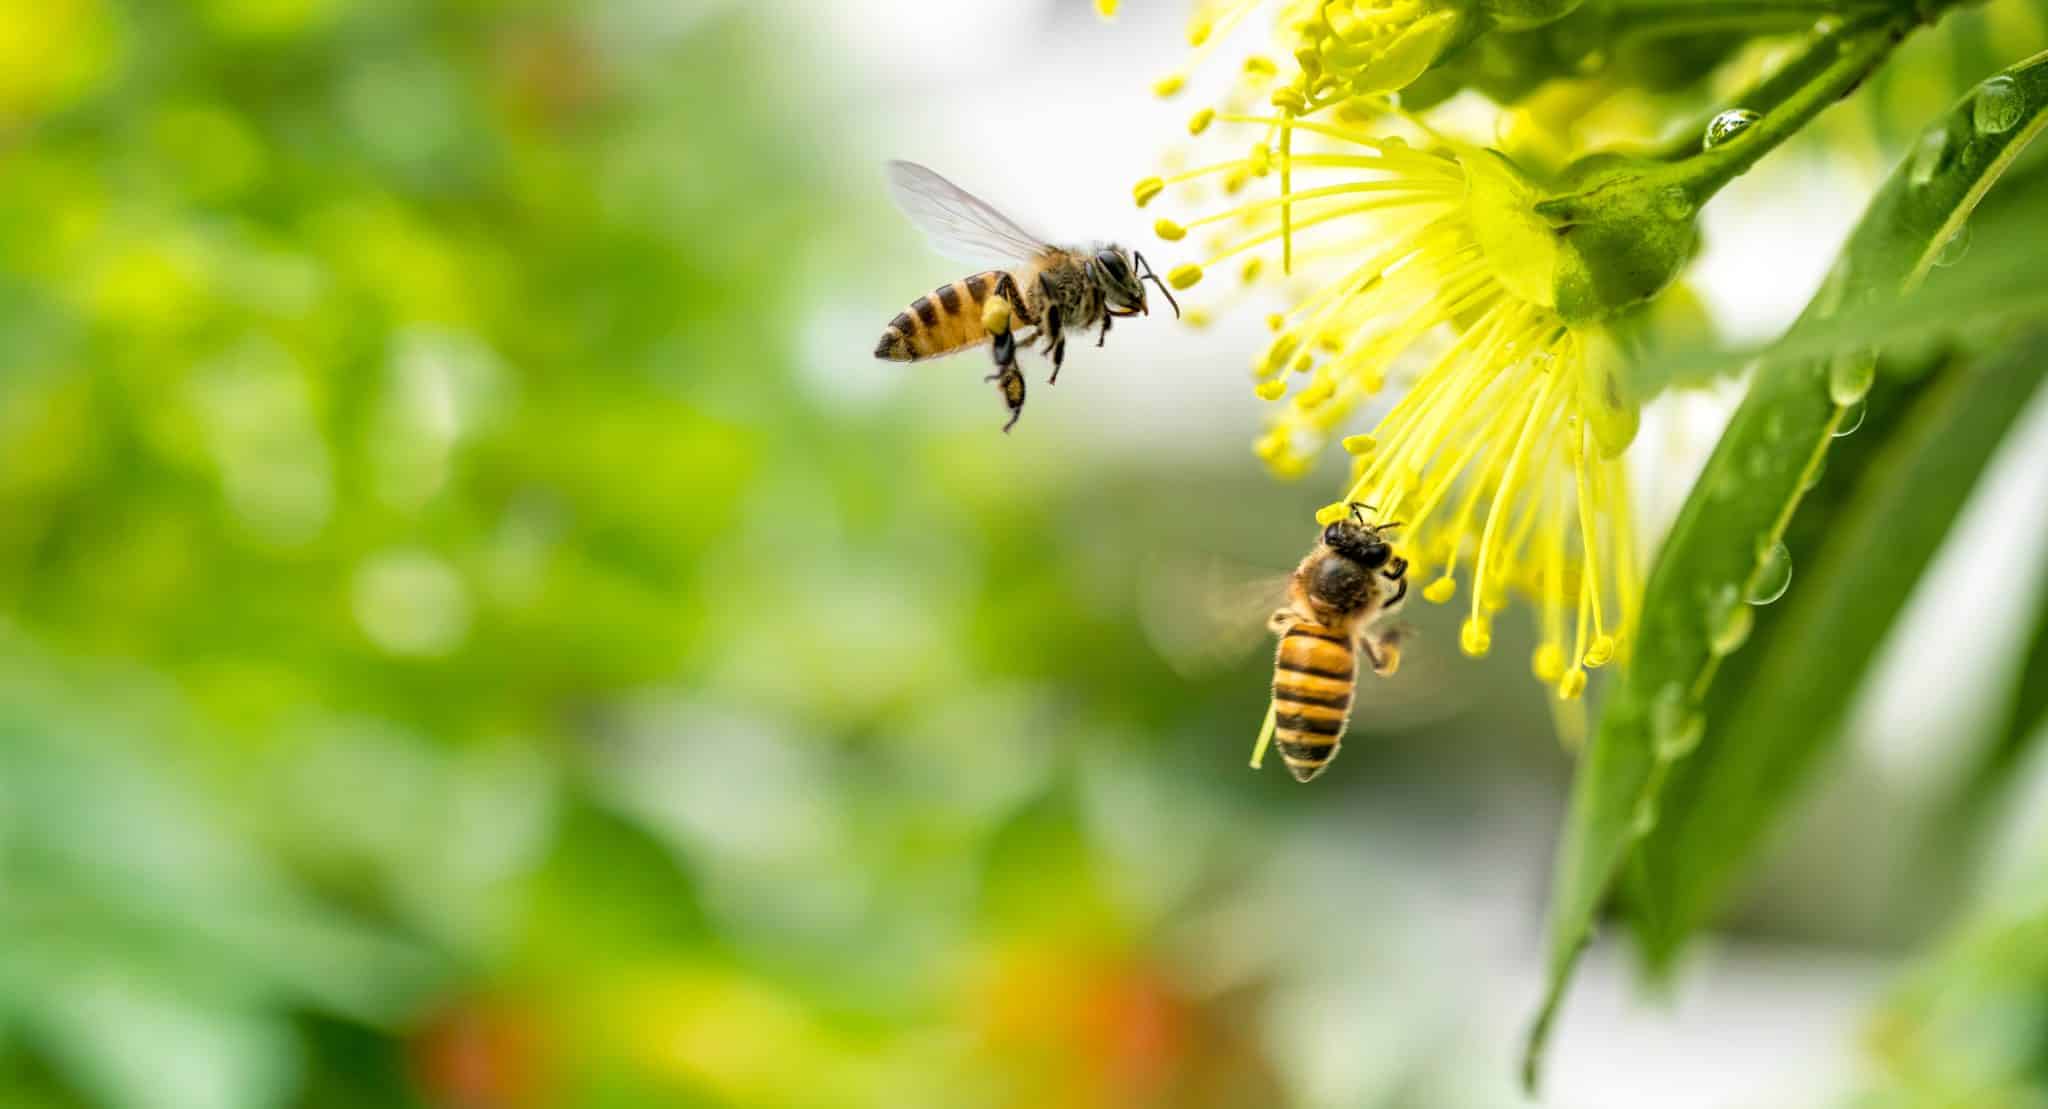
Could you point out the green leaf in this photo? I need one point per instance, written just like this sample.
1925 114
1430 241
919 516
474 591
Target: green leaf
1738 510
2025 719
1767 725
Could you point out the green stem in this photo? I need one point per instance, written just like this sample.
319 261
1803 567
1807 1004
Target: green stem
1764 97
1644 19
1829 69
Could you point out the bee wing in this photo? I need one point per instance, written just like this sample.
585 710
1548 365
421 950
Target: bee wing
1424 691
1204 615
960 225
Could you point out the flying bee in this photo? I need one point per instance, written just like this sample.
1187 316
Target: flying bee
1048 288
1340 603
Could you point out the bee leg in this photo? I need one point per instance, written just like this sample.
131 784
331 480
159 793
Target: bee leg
1055 342
1104 337
1005 350
1010 383
1383 650
1396 567
1400 594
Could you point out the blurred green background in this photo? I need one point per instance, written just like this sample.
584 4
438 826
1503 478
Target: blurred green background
478 630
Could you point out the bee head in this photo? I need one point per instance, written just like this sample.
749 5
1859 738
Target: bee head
1359 541
1122 276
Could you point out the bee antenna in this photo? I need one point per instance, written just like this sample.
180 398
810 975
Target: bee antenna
1154 278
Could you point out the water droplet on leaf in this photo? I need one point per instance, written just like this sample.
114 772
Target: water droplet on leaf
1851 419
1930 156
1953 250
1674 730
1644 820
1728 621
1850 377
1727 125
1813 475
1998 107
1773 576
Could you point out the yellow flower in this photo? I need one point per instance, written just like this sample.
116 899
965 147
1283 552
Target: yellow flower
1502 461
1339 48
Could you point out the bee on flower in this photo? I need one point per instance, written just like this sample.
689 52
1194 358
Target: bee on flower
1434 264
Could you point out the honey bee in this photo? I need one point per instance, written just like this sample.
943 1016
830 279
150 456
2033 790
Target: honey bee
1037 285
1340 603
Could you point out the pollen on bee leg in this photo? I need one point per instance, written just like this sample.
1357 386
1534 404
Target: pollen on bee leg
995 316
1440 590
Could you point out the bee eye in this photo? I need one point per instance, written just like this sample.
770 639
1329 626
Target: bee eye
1375 555
1332 535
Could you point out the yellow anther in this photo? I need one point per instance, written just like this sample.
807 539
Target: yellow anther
1197 316
1169 230
1261 159
1200 121
1271 390
1290 99
1199 30
1548 662
1331 513
1106 8
1440 590
1360 444
1184 276
1145 190
1474 638
1601 652
1253 266
1572 684
1168 85
1261 68
1275 321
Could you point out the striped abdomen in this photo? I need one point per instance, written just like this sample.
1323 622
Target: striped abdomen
947 320
1313 678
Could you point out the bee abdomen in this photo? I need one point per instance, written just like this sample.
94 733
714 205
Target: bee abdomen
946 321
1314 675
